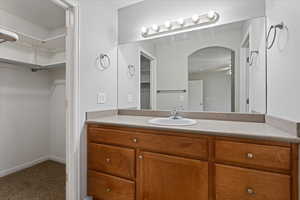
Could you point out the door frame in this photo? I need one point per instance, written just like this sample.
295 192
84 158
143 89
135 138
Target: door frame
73 186
244 72
153 63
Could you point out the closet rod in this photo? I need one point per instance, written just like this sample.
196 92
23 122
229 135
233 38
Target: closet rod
48 67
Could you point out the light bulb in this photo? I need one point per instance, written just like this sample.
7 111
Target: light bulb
168 24
211 14
145 31
195 18
155 27
181 21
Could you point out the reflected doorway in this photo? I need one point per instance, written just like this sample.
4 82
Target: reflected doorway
211 80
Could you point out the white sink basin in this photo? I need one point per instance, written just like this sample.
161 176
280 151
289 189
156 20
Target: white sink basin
172 122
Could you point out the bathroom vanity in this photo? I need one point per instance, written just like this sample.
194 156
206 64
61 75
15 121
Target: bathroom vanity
130 159
216 76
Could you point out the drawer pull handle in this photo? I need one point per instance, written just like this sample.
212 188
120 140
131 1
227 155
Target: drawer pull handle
134 140
250 155
108 190
107 160
250 191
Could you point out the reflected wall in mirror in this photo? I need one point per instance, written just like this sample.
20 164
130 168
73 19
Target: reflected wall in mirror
218 69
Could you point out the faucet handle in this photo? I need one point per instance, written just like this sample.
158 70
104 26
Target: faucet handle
174 111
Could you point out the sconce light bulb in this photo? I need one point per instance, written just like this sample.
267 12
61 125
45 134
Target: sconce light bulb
211 15
144 30
195 18
168 24
181 21
155 27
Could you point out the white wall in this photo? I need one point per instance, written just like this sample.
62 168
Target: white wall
98 34
283 60
148 12
24 116
32 116
57 119
130 54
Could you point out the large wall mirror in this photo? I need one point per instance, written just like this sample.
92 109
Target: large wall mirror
216 69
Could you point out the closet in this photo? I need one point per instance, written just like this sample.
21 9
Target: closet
145 84
32 101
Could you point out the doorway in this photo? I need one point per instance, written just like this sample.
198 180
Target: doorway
147 81
211 76
33 90
245 76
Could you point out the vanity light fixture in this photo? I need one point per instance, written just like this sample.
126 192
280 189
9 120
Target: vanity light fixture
195 18
212 15
181 23
155 27
145 30
168 25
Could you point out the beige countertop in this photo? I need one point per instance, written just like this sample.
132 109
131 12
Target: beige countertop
249 130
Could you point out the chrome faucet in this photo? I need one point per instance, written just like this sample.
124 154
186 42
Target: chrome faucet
175 114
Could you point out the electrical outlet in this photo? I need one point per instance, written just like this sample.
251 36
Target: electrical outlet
101 98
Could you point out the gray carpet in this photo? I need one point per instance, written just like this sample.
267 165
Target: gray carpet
45 181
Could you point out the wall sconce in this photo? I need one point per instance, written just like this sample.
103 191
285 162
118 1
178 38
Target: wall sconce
181 23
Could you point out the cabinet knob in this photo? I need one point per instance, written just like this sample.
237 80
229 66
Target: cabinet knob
107 160
135 140
108 190
250 191
250 155
140 157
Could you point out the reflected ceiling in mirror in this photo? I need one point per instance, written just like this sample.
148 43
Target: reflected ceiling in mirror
219 69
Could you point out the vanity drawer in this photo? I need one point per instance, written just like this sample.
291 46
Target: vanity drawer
106 187
113 160
234 183
169 144
254 155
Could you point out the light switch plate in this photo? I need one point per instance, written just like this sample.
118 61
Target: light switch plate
129 98
101 98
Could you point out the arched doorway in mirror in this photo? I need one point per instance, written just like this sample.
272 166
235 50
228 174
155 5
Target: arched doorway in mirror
211 80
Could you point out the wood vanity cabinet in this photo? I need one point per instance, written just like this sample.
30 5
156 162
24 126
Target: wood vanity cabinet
169 177
143 164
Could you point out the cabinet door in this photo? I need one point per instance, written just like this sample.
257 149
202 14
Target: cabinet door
163 177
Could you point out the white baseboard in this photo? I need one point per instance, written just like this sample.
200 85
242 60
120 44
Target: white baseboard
57 159
30 164
23 166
